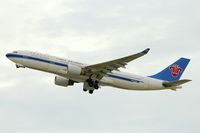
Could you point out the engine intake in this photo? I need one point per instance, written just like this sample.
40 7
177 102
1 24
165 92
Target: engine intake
61 81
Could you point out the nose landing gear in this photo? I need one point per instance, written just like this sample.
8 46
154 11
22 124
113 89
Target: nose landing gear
19 66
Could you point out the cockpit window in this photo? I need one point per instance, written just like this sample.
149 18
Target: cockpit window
15 52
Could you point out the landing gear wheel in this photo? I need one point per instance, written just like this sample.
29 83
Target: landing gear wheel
90 82
84 89
91 91
17 66
96 86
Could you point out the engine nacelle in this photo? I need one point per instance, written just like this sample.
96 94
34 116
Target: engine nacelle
73 70
61 81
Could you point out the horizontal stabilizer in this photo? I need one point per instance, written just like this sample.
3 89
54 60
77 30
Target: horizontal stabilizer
175 83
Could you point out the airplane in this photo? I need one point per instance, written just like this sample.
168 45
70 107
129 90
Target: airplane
107 73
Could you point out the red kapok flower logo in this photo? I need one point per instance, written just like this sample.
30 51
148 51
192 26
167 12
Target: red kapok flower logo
175 70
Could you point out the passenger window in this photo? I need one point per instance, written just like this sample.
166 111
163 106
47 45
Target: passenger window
15 52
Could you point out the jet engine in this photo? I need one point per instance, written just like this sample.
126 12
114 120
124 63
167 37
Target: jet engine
61 81
74 70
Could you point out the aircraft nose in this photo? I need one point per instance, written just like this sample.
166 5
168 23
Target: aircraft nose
8 55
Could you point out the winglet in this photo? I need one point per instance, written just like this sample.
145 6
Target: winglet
146 51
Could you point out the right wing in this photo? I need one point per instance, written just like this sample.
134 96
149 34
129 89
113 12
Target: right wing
103 68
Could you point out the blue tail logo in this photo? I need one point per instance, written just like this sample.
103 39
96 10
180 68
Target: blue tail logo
174 71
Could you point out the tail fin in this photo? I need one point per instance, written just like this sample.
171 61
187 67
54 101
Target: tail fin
173 72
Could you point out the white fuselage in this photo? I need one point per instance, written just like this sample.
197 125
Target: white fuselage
58 66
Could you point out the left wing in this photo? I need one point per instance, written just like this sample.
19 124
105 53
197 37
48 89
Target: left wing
103 68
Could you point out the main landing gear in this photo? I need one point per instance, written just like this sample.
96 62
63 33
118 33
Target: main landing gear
92 84
90 91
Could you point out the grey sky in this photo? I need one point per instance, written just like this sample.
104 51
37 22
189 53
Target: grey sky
93 31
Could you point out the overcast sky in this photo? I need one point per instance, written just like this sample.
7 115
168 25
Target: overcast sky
93 31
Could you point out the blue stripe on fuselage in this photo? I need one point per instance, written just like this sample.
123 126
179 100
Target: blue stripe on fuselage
36 59
124 78
65 65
